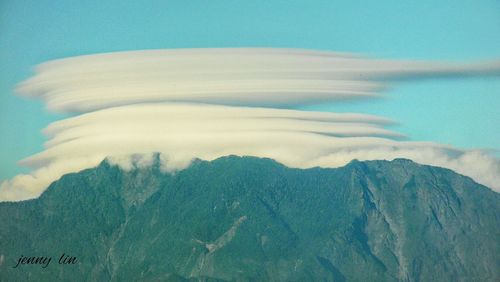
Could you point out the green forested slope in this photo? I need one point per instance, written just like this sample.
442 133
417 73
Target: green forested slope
251 219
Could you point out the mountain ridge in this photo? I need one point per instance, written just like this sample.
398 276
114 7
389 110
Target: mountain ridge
246 218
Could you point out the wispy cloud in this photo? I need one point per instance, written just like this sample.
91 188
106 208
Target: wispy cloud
251 77
162 101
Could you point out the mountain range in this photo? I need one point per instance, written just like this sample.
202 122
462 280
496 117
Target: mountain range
253 219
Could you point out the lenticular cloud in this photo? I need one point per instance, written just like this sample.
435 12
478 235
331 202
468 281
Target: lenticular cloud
208 103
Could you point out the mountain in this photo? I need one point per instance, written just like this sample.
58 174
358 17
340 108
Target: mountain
252 219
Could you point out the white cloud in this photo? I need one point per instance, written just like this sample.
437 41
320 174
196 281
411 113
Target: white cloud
257 77
139 103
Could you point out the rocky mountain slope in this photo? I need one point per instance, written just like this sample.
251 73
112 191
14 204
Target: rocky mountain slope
251 219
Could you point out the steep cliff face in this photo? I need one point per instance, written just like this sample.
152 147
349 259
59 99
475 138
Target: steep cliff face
254 219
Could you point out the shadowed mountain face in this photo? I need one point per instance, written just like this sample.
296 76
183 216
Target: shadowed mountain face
251 219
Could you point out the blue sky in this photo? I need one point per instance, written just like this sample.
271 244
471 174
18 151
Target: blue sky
458 112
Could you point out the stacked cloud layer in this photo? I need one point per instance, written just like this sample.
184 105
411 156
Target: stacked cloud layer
207 103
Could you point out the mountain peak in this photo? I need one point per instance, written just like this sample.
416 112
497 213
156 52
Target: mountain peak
247 218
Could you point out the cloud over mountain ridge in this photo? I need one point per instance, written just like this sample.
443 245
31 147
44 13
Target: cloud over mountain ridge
207 103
